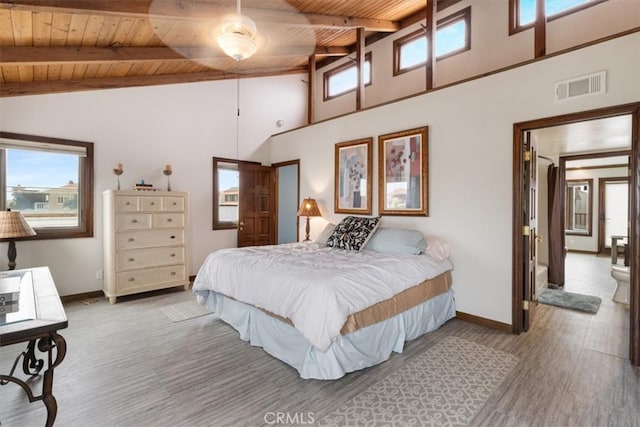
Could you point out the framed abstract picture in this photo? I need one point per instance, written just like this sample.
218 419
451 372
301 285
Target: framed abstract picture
353 170
403 172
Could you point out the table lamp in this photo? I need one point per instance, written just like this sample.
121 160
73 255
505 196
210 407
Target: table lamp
308 208
12 225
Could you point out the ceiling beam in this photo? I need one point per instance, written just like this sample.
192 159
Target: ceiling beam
187 10
27 55
59 86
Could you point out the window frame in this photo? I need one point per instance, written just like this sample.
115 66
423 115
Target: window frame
329 73
85 189
514 14
216 224
568 212
461 15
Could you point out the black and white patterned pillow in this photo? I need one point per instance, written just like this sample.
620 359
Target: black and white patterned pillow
353 233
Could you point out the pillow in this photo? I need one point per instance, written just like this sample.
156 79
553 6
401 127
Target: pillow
397 241
324 235
353 233
437 248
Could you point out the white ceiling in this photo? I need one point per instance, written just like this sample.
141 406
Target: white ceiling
591 136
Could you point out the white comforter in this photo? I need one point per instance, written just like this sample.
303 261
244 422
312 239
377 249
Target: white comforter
314 286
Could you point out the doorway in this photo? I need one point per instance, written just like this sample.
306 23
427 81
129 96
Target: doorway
521 314
287 201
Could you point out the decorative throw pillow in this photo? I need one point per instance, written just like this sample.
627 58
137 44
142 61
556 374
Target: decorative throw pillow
352 233
325 234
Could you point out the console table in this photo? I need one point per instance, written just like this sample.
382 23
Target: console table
33 313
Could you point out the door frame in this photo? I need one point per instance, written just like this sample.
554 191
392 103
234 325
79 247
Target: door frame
602 182
276 167
517 301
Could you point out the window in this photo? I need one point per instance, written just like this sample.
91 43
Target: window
522 13
344 79
50 181
452 37
578 204
226 190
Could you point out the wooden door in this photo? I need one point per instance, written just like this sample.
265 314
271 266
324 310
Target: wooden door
256 209
529 243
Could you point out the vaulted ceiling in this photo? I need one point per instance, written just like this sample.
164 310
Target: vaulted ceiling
49 46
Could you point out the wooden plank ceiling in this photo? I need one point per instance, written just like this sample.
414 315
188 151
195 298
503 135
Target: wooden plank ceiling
49 46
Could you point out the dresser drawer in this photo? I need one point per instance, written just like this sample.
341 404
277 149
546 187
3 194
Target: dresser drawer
149 238
151 277
151 203
142 258
168 220
133 221
127 203
173 203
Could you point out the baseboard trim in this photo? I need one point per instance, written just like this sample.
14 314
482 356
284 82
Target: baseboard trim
492 324
79 297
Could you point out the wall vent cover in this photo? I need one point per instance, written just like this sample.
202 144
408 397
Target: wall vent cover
583 86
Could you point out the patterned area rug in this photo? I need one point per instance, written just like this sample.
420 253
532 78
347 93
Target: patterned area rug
184 311
445 386
564 299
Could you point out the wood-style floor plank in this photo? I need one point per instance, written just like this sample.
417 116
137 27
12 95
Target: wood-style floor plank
128 364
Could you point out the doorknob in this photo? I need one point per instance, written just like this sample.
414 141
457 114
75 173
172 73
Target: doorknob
241 225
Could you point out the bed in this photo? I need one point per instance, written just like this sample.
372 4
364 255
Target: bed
327 311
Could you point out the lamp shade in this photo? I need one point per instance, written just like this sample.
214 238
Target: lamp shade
309 207
13 224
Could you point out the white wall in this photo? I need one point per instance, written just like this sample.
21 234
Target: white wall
470 149
590 243
492 48
146 128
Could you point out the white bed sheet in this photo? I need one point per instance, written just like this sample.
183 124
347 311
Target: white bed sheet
315 286
363 348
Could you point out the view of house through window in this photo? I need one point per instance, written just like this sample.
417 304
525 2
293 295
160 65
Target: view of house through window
226 193
43 186
49 182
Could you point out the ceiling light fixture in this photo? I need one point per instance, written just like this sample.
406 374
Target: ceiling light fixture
239 36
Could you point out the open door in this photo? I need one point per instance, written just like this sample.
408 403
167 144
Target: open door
256 209
529 180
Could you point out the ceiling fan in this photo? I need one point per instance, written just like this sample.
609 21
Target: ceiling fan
233 37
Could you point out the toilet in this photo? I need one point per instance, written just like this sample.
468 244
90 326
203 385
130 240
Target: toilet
622 276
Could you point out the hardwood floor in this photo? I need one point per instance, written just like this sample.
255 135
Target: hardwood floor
128 364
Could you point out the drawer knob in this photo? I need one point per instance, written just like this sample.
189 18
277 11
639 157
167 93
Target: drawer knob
173 237
172 255
128 203
169 220
130 239
131 259
174 203
131 279
173 273
153 203
134 221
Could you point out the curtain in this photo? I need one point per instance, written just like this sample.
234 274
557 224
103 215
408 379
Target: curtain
556 227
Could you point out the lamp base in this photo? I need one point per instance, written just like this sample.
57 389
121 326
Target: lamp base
307 230
11 254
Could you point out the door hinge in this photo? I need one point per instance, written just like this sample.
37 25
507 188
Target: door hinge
527 156
525 305
526 230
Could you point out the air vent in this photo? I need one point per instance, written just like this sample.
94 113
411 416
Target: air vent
583 86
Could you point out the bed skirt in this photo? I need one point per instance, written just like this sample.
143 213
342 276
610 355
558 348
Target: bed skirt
357 350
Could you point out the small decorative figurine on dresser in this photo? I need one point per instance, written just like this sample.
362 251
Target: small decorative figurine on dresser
168 171
117 171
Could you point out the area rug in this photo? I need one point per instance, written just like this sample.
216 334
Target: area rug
444 386
573 301
184 311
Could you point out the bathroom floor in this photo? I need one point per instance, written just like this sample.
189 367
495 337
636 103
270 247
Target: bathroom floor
591 275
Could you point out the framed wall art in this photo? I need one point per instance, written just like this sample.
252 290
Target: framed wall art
403 172
353 172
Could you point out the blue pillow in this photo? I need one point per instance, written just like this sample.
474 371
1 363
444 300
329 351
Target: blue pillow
397 241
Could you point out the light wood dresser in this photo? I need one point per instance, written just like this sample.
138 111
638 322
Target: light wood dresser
145 241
